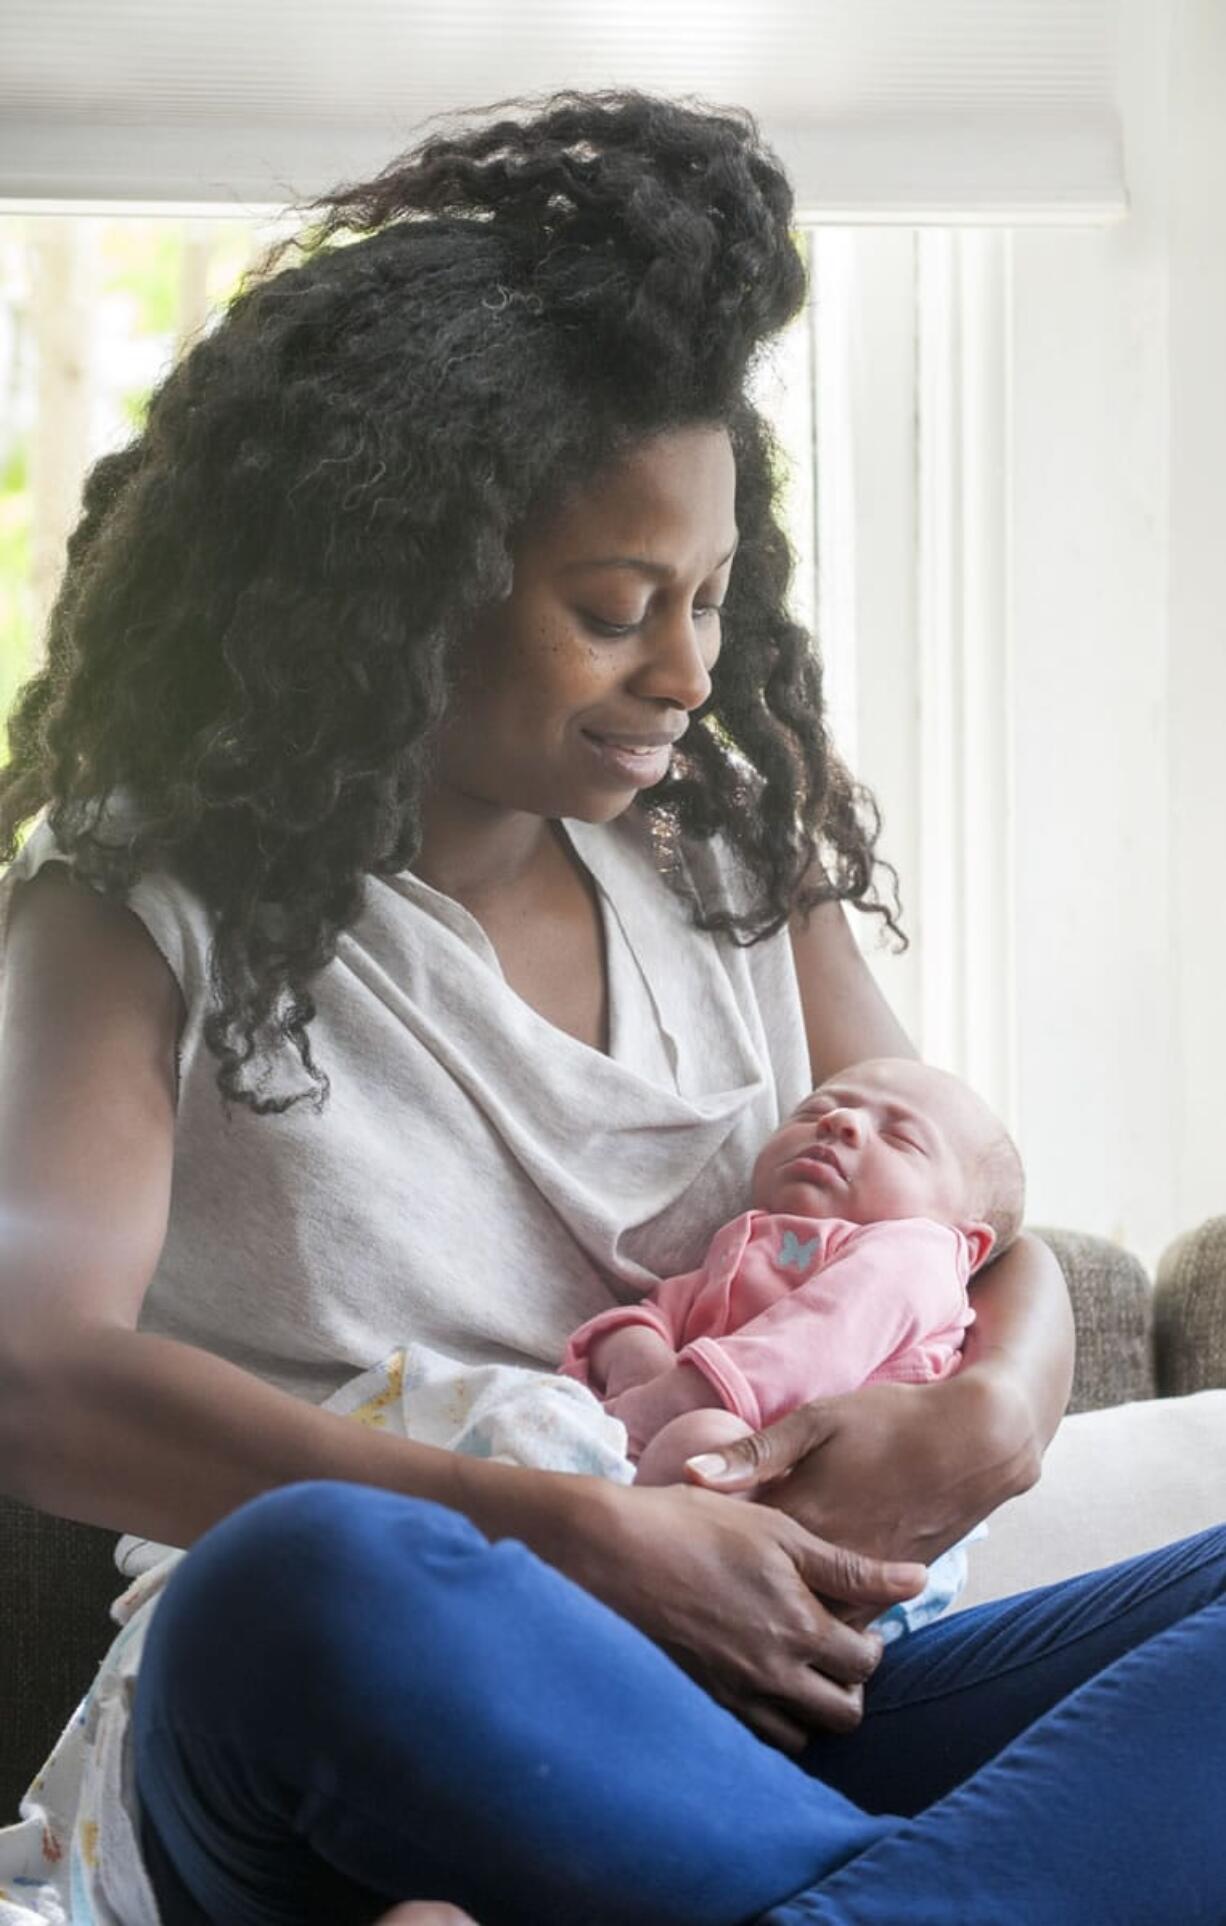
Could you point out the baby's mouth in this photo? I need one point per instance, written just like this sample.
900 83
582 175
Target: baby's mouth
818 1154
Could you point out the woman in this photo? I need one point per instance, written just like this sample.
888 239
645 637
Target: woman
363 722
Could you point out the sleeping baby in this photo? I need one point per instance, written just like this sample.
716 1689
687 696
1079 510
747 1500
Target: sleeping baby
874 1203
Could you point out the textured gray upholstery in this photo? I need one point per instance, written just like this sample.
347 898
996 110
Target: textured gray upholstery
56 1581
1113 1309
1190 1312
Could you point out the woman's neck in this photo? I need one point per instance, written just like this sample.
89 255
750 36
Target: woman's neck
472 850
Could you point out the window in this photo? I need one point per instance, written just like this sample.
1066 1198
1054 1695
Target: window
92 311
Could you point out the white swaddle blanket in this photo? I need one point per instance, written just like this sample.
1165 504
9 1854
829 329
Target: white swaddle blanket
73 1857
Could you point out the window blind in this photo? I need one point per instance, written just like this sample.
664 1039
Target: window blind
884 110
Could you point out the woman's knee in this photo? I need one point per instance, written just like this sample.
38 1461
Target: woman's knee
310 1528
292 1574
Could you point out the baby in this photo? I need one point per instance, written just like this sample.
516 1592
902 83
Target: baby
873 1204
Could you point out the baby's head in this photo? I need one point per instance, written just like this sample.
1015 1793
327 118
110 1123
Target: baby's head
896 1138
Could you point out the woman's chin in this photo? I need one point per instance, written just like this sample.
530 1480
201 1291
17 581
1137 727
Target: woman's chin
606 808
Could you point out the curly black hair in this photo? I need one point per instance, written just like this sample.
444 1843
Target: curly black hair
268 589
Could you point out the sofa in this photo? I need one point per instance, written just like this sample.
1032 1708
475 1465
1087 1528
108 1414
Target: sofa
1140 1459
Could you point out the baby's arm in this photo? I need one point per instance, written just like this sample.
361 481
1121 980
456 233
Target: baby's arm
632 1343
891 1286
627 1355
825 1332
676 1392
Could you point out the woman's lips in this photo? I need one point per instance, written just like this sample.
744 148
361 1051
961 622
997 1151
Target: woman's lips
640 764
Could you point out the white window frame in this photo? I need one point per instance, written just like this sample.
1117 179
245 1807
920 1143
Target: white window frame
899 456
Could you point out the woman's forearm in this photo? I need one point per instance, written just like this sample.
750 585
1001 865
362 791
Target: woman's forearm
1022 1341
135 1431
143 1434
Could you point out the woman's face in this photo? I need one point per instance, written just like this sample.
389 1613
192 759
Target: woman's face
577 686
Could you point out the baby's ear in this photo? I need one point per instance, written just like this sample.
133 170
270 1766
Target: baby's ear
982 1240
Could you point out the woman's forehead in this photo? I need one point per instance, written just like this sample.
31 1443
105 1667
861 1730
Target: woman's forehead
677 491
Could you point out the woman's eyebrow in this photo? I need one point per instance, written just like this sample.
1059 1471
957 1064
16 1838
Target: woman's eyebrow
659 571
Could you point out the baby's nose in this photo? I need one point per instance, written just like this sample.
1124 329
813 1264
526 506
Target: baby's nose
844 1124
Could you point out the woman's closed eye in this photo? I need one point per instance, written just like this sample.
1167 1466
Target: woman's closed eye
601 625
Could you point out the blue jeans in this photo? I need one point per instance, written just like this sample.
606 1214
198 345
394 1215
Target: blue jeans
349 1697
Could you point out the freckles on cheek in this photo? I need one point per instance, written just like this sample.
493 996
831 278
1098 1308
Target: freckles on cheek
547 649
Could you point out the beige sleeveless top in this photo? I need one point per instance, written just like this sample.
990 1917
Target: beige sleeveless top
478 1181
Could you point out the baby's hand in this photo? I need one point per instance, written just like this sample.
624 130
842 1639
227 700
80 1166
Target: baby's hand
631 1355
645 1409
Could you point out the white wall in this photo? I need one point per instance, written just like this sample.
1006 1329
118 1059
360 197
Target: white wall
1098 1091
1197 603
1118 532
1039 540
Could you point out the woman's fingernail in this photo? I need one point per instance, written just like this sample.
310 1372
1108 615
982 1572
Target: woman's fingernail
906 1574
708 1464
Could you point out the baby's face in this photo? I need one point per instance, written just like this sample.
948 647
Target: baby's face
889 1138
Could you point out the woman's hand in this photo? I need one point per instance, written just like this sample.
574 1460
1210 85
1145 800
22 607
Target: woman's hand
734 1593
895 1471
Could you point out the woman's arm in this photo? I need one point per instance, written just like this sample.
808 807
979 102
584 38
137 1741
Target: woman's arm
103 1422
97 1420
906 1470
847 1020
1022 1339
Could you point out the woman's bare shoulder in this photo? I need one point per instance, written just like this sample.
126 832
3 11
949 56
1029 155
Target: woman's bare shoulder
89 1021
70 950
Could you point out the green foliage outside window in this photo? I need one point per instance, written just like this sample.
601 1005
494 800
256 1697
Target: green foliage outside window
141 307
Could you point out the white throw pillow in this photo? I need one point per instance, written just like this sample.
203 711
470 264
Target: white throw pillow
1114 1482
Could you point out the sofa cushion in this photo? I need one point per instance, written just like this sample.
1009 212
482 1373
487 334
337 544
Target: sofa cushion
1190 1311
1113 1311
1114 1483
56 1580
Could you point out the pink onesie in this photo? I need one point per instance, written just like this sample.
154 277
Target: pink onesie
790 1308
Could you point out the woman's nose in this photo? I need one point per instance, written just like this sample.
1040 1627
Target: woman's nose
681 655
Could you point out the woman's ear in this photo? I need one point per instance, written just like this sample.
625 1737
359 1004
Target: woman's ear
982 1240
